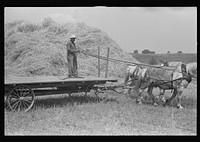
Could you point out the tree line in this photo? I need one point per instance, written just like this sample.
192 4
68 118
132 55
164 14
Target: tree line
146 51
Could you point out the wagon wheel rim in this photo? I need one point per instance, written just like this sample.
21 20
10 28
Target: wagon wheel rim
6 107
21 98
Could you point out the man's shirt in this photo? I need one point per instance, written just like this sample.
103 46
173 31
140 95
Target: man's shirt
71 48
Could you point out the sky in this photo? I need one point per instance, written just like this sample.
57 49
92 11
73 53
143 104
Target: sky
159 29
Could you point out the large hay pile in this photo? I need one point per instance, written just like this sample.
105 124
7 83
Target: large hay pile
33 49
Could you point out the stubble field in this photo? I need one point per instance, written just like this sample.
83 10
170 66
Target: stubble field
118 115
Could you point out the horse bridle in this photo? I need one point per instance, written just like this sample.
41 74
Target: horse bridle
186 76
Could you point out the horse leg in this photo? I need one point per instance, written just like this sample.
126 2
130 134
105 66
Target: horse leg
139 96
172 97
139 88
131 85
127 75
161 95
180 91
149 91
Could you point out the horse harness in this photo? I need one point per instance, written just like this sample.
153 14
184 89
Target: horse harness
186 76
134 74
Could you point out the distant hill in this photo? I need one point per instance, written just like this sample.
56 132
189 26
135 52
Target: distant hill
33 49
184 57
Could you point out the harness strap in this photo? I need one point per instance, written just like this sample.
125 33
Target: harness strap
137 70
186 76
172 77
134 74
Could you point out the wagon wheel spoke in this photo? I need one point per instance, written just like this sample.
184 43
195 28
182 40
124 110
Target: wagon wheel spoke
20 91
15 105
14 101
26 103
22 105
21 98
16 94
25 92
19 106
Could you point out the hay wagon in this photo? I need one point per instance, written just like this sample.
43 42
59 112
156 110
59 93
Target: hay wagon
20 92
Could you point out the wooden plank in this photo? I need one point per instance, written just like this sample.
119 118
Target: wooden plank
107 59
98 61
53 84
54 79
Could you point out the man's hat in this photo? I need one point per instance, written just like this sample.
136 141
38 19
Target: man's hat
72 36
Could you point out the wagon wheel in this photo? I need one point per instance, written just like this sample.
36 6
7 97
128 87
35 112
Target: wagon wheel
92 97
88 88
21 98
98 94
101 95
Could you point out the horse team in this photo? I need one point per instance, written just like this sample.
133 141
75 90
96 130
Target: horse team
165 77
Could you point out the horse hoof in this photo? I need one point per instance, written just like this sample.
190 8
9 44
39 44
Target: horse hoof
155 104
138 102
163 100
179 107
167 102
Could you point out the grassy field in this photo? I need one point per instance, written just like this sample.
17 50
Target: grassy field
184 57
118 115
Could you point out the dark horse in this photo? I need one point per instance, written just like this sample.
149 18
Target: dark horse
166 78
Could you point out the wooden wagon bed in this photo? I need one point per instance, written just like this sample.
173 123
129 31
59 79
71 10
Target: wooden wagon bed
22 90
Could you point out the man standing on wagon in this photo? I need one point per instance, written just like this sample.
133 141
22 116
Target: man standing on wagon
72 57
